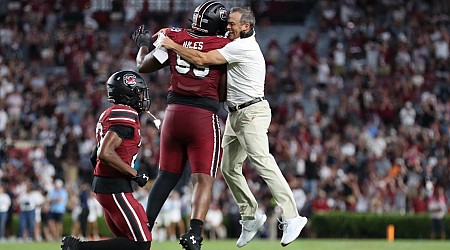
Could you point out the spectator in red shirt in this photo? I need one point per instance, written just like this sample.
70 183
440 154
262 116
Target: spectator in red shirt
320 205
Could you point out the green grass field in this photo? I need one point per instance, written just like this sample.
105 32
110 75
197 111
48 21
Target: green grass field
300 244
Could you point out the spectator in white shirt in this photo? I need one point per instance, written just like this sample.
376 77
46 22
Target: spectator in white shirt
27 215
407 115
39 198
438 209
5 203
3 118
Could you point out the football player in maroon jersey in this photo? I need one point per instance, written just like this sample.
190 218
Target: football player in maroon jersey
190 130
118 142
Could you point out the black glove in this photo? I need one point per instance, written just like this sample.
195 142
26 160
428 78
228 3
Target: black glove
93 157
141 178
141 37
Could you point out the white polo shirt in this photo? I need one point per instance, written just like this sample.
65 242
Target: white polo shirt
246 70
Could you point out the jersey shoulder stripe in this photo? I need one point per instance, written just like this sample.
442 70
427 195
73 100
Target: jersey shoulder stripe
181 35
122 115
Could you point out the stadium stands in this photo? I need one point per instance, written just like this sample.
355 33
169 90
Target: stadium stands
359 90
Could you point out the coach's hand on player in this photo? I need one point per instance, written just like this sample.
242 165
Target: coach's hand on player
163 30
141 178
141 36
168 43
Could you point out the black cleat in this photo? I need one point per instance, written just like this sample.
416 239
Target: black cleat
70 243
190 241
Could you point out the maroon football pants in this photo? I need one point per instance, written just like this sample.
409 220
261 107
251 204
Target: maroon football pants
125 216
190 133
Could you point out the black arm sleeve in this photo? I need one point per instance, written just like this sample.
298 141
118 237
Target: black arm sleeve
124 132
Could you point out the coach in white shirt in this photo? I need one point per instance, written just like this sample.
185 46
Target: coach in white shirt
247 125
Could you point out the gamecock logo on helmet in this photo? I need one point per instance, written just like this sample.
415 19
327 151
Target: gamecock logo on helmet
129 79
223 14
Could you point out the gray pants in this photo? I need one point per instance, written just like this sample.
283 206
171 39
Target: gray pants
246 136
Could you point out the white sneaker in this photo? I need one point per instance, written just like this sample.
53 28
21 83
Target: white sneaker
250 228
292 228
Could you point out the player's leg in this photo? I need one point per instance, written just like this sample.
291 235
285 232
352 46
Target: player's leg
164 184
204 153
201 198
115 230
125 216
127 221
172 160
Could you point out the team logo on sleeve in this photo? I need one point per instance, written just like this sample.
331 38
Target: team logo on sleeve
129 79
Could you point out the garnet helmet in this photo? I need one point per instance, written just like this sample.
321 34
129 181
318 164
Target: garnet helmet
128 88
210 18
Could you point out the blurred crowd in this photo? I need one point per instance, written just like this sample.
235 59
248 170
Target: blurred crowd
360 123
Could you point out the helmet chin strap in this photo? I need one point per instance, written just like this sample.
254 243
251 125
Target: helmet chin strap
245 34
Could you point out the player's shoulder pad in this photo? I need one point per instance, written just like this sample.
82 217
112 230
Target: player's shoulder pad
222 39
121 114
174 30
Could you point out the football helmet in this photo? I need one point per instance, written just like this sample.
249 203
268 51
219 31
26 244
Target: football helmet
128 88
210 18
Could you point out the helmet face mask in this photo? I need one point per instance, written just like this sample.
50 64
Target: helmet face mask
129 88
210 18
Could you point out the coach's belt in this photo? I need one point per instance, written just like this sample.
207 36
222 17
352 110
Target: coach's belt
244 105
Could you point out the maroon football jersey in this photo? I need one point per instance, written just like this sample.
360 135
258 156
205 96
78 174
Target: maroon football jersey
185 76
128 150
